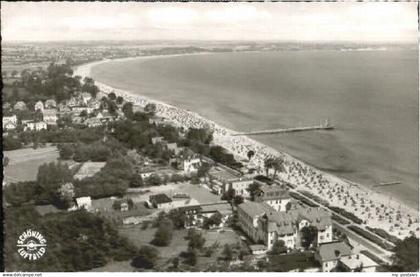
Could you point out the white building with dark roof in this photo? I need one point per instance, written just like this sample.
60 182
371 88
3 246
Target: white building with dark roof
50 116
275 196
358 261
35 125
263 224
9 122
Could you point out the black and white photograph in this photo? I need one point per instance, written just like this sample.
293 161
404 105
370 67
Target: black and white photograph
210 137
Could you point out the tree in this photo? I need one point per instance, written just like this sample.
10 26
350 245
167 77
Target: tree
175 263
127 109
250 154
65 150
268 164
278 248
203 170
163 235
200 135
112 96
228 195
119 100
83 113
146 257
237 200
309 235
278 166
66 195
178 218
406 257
227 253
196 239
50 176
150 108
253 189
191 257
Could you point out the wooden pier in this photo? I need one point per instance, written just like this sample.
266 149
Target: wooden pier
325 126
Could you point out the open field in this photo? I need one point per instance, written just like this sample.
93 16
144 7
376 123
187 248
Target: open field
139 237
227 236
23 163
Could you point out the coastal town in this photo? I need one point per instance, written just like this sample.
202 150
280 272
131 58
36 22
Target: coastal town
141 185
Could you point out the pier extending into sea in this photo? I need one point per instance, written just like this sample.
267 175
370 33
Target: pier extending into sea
325 126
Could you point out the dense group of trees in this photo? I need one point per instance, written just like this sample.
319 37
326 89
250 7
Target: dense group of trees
406 255
55 82
76 241
56 135
112 180
97 151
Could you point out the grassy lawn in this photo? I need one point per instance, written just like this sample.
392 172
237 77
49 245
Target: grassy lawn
24 163
47 209
284 263
140 237
226 237
104 206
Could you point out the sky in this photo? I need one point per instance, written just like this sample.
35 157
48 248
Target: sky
319 21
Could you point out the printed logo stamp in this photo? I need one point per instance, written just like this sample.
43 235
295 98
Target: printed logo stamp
31 245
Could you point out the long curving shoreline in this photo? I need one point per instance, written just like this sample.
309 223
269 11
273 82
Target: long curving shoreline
378 210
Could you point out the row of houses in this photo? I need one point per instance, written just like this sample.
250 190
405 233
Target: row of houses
74 107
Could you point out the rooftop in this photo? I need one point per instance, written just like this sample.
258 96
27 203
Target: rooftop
222 207
274 192
160 198
333 250
255 209
355 260
257 247
222 174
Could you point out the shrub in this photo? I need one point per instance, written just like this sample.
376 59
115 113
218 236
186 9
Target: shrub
346 214
371 237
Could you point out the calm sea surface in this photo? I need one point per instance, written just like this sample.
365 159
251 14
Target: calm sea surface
370 96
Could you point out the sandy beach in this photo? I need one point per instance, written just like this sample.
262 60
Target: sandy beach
376 209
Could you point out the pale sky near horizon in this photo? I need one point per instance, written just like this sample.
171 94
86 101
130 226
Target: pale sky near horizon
336 21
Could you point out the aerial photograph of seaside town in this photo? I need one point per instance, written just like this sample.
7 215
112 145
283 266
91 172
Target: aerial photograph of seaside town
210 137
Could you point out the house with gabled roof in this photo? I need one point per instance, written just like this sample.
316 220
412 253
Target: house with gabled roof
92 122
329 254
39 106
50 103
9 122
20 105
160 201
